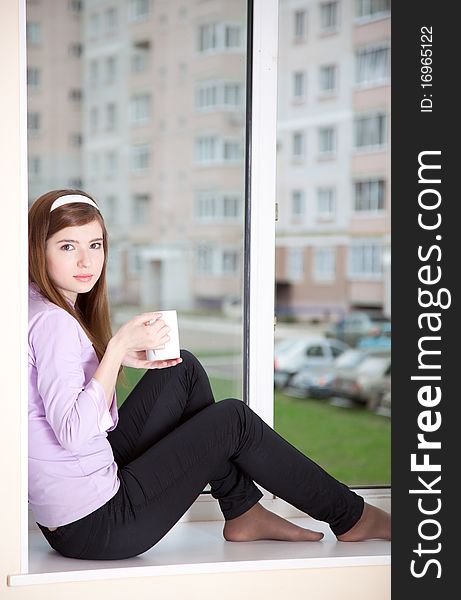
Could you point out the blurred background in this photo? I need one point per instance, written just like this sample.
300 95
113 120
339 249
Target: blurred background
141 103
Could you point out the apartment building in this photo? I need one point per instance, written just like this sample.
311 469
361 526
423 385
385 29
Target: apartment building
55 95
142 104
333 172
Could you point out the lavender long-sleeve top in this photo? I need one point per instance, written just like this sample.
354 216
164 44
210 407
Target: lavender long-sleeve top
72 471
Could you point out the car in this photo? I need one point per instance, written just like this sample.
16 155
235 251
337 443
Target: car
365 384
316 382
293 354
359 324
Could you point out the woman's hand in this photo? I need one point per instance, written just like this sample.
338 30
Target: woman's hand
147 331
137 360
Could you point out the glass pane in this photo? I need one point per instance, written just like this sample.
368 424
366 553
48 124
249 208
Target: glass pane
153 127
332 399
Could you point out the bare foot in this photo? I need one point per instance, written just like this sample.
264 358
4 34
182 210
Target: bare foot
257 523
373 524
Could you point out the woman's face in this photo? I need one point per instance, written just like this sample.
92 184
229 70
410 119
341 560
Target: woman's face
74 252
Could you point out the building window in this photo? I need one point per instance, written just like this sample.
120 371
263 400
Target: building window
232 150
33 33
111 164
219 37
300 29
299 145
208 37
111 20
233 95
298 204
111 116
232 36
214 94
34 165
33 78
75 95
141 205
212 206
76 183
138 9
231 206
295 264
229 262
299 85
75 140
323 264
111 69
206 149
327 140
327 79
374 9
140 57
369 195
204 260
372 64
326 200
140 108
76 50
76 6
140 157
33 123
365 258
329 16
370 130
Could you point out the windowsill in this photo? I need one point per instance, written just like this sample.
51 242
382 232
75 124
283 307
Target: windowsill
198 546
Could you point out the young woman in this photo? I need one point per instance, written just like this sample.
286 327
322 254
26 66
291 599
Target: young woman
109 484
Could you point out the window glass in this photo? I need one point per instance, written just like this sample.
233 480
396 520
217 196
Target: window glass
153 126
333 229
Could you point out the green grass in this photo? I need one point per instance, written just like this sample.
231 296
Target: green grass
353 445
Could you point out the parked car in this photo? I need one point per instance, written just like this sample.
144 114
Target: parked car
365 384
358 324
293 354
316 382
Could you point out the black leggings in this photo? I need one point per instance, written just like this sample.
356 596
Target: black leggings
173 439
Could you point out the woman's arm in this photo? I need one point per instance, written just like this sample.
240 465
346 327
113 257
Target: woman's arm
106 373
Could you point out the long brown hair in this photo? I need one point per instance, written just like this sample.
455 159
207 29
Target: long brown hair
91 309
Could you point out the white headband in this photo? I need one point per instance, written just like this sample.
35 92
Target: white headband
67 199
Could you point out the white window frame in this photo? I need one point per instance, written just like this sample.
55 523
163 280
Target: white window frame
330 133
326 214
138 101
295 263
370 16
335 26
373 198
136 10
370 115
301 155
14 324
298 197
372 250
299 86
324 264
367 50
300 17
217 32
139 153
324 91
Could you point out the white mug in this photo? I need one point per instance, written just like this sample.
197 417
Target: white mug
171 348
